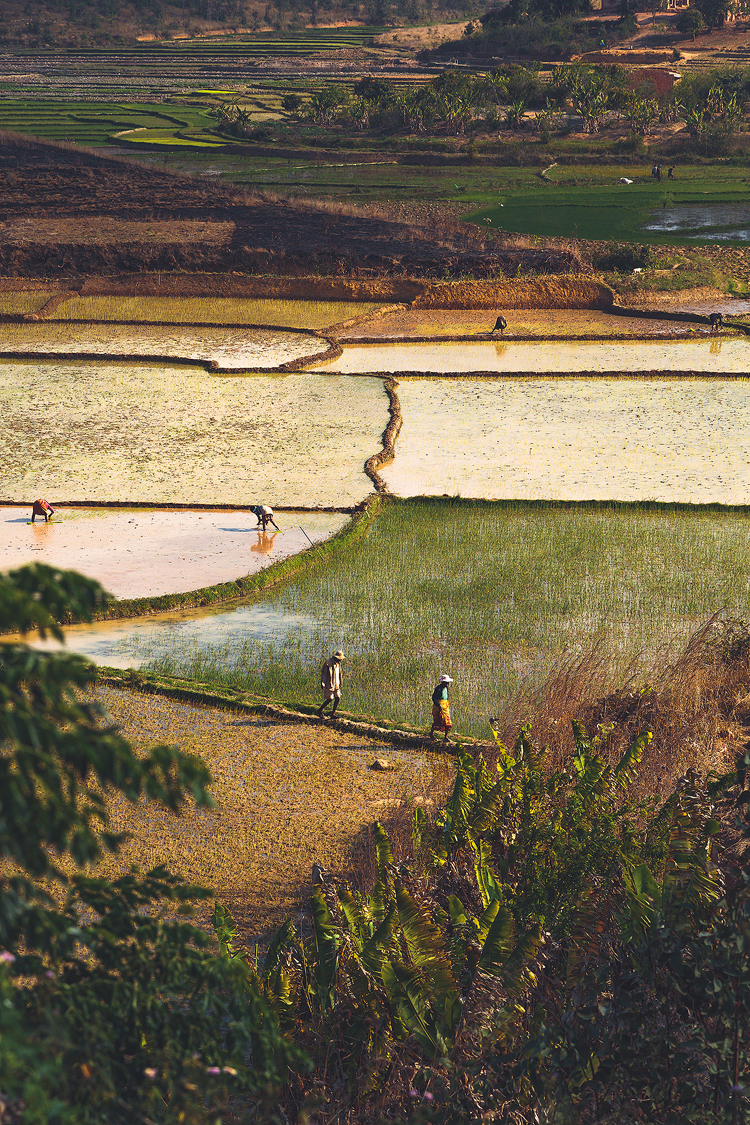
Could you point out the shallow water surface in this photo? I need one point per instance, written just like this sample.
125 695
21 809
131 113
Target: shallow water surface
613 356
574 439
707 222
141 433
233 348
137 553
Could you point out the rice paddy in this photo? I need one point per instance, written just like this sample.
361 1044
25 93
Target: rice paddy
575 439
231 348
494 595
139 553
219 311
555 357
141 434
20 304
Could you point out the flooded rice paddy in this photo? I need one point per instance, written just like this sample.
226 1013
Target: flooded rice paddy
495 596
232 348
521 322
136 553
577 439
563 357
705 222
144 433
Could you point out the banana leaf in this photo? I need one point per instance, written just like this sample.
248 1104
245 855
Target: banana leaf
360 927
373 952
284 937
327 944
410 997
426 947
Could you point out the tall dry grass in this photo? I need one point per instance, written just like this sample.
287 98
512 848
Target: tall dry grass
692 699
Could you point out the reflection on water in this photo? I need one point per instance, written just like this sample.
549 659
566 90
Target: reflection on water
235 348
710 222
131 644
544 357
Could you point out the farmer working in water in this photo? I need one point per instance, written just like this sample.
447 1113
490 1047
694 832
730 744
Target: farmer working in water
265 516
41 508
716 320
441 709
330 682
500 324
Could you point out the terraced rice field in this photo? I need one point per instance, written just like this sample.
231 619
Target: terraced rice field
219 311
235 349
139 434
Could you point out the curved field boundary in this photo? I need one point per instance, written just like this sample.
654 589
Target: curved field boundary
207 695
390 433
365 318
333 351
307 560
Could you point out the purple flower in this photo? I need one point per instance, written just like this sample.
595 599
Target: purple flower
50 975
8 958
428 1097
229 1070
413 1093
213 1070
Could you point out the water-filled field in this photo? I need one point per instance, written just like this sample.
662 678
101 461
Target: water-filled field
232 348
137 553
145 433
492 595
574 439
615 356
216 310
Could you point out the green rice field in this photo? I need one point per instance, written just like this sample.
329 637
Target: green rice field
494 595
206 310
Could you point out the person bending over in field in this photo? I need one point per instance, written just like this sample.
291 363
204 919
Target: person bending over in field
41 508
265 516
441 708
500 325
716 320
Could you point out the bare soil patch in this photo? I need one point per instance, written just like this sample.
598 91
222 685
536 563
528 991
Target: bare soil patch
287 796
49 182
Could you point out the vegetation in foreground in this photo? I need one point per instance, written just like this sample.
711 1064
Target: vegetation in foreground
496 595
514 959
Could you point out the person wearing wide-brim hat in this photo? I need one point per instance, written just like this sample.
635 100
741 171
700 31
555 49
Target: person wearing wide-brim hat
441 708
330 681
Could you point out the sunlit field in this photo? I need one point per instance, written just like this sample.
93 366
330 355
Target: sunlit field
493 595
219 310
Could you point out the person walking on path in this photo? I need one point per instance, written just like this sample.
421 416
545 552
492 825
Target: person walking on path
41 508
500 325
441 708
330 682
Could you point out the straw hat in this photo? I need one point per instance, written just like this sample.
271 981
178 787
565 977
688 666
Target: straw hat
445 680
338 654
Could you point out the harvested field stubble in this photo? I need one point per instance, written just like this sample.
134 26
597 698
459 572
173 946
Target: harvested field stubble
286 796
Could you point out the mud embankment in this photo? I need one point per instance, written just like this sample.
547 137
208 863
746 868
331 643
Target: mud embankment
567 292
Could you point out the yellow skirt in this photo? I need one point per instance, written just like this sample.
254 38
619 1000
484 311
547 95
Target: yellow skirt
441 716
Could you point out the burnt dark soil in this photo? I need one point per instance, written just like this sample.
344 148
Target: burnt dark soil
49 195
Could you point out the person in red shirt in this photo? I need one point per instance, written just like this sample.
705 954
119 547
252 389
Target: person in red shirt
41 508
